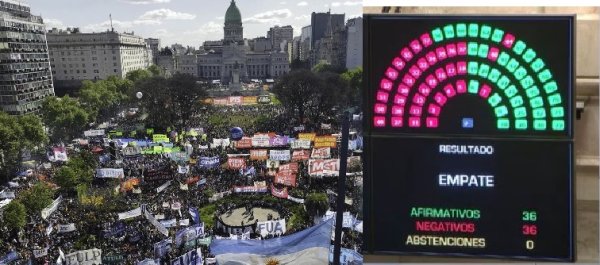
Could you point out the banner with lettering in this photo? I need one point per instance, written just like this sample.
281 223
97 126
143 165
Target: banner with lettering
323 167
307 136
261 140
110 173
130 214
271 228
162 248
294 199
285 179
163 230
193 257
279 193
208 162
236 163
92 133
249 189
66 228
84 257
51 208
300 144
300 155
325 141
280 155
169 223
189 233
244 143
38 253
259 154
326 126
160 138
278 141
290 168
118 228
158 174
183 169
113 259
250 100
163 186
132 150
321 153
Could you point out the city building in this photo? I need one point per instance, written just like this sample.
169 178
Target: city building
305 43
155 47
321 23
294 49
331 48
25 73
354 44
280 37
91 56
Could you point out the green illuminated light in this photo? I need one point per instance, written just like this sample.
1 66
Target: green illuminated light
545 75
497 35
537 65
437 35
558 125
520 112
472 68
521 124
554 99
519 47
503 58
473 30
512 65
532 92
484 70
472 48
536 102
503 82
529 55
486 31
503 124
483 50
550 87
449 31
539 125
527 82
473 87
495 99
539 113
557 112
501 111
516 101
494 75
520 73
461 30
511 91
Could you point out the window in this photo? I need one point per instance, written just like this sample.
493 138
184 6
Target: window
115 70
84 71
95 71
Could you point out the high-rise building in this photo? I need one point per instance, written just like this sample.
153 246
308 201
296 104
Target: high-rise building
320 23
90 56
354 44
155 47
25 74
280 37
294 49
305 43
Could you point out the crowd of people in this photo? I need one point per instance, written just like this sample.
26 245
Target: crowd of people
173 195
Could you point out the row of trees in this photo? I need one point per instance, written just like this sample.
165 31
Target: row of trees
18 134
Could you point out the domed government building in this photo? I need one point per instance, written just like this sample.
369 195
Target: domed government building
233 60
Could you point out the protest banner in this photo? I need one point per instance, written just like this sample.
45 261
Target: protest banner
92 133
113 259
38 253
250 100
161 228
118 229
278 141
183 169
60 154
66 228
169 223
299 128
84 257
261 140
285 179
300 155
323 167
160 138
193 257
279 193
236 163
110 173
272 164
294 199
158 174
130 184
244 143
9 257
234 100
259 154
279 155
249 189
162 248
321 153
208 162
130 214
51 208
163 186
326 126
189 233
325 141
271 228
300 144
307 136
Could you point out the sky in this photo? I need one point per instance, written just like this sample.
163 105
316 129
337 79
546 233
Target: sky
187 22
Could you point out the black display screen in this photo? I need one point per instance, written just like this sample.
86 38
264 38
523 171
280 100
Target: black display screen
469 148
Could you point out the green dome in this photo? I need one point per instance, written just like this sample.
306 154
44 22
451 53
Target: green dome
233 14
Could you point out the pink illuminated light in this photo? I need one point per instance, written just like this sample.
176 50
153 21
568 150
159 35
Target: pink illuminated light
431 58
431 81
399 100
419 99
380 108
461 48
398 63
422 63
426 40
449 90
386 84
440 99
450 69
416 46
485 91
424 89
461 67
397 122
441 53
397 110
415 71
403 89
493 54
451 50
414 122
379 121
461 86
416 110
408 80
406 54
434 109
508 40
432 122
382 96
441 74
391 73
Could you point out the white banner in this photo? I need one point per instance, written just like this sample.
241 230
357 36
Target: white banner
7 195
163 186
301 144
176 206
169 223
51 208
38 253
271 227
131 214
162 229
91 133
261 140
220 143
183 170
110 173
322 153
84 257
193 257
280 155
184 222
132 150
347 221
66 228
297 200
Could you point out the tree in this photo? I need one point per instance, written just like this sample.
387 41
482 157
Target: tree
15 215
186 97
354 79
316 203
103 98
154 69
33 131
37 197
65 117
325 67
140 74
66 177
16 134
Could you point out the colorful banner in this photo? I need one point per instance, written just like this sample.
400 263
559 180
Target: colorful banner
189 233
278 141
290 168
279 193
300 155
51 208
250 189
160 138
261 140
285 179
250 100
130 184
323 167
321 153
84 257
234 100
271 228
193 257
307 136
259 154
66 228
280 155
183 169
208 162
236 163
130 214
244 143
110 173
158 174
300 144
325 141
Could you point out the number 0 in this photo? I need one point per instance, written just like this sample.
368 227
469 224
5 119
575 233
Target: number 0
529 244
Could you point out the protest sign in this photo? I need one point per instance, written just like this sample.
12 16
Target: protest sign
321 153
325 141
259 154
279 155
